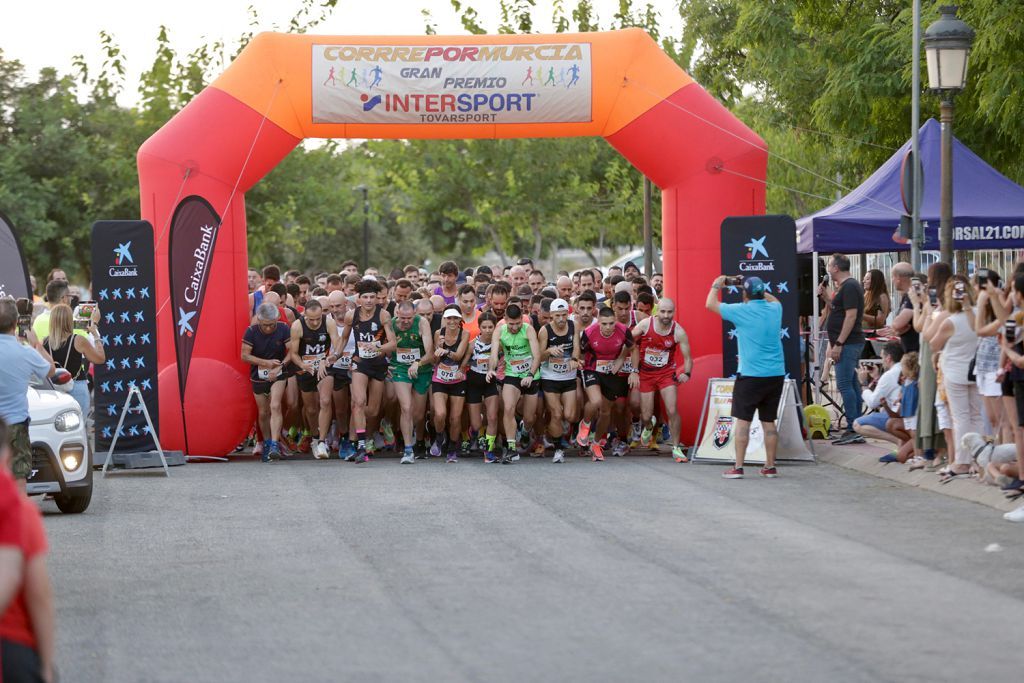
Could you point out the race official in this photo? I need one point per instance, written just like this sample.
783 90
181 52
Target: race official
762 367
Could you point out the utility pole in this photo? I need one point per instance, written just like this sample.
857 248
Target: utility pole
648 236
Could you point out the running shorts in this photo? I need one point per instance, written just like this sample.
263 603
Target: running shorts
656 381
457 389
376 368
613 387
517 382
342 378
557 386
478 388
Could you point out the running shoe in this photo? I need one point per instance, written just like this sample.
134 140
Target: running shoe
679 454
362 456
733 473
596 451
666 433
481 443
848 437
435 448
1015 515
420 449
522 436
305 444
635 434
647 432
264 449
273 450
538 449
769 472
408 458
376 443
289 442
559 455
490 457
583 435
453 456
320 451
258 449
506 457
371 447
466 445
346 451
388 433
619 447
515 456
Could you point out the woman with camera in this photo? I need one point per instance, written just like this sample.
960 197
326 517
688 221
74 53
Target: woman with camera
74 352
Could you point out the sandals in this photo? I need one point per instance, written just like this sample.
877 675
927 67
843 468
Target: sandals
950 475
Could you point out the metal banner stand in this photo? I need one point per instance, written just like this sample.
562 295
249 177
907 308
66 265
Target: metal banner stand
134 391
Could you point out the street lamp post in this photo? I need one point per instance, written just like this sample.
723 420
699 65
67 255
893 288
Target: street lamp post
366 224
947 44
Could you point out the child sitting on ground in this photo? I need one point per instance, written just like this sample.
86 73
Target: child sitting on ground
908 409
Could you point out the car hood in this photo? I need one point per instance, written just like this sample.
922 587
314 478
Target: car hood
45 404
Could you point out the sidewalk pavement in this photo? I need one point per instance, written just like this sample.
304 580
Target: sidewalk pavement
864 458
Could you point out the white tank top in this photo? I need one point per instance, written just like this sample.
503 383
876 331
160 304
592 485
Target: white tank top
959 350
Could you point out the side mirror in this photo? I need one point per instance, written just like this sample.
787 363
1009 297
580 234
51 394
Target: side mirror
62 380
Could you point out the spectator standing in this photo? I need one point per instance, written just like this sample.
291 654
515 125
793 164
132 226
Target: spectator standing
903 280
18 364
956 341
988 323
27 622
762 368
846 339
74 352
876 301
929 437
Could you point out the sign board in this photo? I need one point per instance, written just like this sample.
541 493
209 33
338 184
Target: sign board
14 280
715 439
123 285
520 83
765 247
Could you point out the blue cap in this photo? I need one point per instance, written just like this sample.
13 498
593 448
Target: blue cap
754 287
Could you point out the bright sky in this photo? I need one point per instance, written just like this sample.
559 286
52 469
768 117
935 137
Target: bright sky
50 32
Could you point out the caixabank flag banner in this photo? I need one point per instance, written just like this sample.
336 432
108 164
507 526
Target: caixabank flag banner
193 236
124 288
524 83
765 247
14 280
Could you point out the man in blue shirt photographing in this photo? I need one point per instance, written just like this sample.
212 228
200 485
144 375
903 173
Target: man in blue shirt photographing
762 370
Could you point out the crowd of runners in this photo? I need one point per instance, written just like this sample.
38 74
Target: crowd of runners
494 362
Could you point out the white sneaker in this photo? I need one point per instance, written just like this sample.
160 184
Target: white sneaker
1016 515
408 459
559 455
320 451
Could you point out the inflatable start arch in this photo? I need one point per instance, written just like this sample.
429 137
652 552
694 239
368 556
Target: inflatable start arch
281 89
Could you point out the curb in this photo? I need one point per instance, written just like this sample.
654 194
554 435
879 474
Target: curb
864 458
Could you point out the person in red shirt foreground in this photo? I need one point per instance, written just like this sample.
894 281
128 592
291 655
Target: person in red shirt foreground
27 624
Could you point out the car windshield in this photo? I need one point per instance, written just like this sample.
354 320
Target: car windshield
37 383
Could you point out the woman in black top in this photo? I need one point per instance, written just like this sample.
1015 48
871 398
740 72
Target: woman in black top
74 352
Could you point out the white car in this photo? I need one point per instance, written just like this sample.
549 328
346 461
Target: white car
637 257
61 463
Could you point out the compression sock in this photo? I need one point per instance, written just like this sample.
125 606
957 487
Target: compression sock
360 438
491 438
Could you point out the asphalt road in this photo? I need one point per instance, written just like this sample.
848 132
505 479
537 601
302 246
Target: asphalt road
637 569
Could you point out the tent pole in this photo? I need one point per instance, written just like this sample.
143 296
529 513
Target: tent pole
916 239
813 339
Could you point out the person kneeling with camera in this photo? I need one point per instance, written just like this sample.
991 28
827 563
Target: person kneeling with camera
762 367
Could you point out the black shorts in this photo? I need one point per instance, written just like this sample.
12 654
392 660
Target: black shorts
1007 387
261 387
478 388
19 662
557 386
1018 398
613 387
517 382
759 394
342 378
376 368
458 389
308 383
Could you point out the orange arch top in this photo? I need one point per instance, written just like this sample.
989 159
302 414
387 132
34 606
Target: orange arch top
616 57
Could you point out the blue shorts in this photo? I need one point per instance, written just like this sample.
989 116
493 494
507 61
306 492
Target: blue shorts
876 419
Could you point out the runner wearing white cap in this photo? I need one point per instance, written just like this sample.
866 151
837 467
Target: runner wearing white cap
560 353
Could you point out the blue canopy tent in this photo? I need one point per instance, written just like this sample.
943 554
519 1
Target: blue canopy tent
988 207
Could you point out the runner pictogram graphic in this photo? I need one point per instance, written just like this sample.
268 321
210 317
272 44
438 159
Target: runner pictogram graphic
529 76
353 80
551 76
330 78
575 71
377 73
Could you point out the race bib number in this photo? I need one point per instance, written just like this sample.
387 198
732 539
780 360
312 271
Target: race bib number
314 361
627 366
344 361
561 367
481 366
447 374
263 373
521 366
407 356
656 358
604 366
369 349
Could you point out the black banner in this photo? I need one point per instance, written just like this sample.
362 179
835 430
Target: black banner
765 247
193 236
14 280
124 286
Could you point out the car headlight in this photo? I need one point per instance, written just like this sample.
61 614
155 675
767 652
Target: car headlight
67 421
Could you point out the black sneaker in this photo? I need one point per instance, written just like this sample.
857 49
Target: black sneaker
1013 485
506 456
848 438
